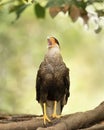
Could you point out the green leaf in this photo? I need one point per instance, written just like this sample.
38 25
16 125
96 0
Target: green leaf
18 9
98 29
52 3
39 10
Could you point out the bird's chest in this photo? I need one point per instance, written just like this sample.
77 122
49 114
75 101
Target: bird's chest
52 70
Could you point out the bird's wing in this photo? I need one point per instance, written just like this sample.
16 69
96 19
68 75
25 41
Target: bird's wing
39 81
66 80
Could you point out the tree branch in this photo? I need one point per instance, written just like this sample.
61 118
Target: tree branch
88 120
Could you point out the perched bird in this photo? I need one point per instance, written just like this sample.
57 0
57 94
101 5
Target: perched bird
52 82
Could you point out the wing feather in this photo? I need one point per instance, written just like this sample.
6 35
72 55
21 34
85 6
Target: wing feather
66 80
38 81
38 87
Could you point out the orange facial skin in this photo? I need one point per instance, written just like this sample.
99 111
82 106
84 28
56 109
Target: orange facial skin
52 42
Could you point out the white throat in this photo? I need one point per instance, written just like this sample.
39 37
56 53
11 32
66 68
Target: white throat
54 51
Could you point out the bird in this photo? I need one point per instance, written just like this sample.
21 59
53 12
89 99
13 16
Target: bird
52 82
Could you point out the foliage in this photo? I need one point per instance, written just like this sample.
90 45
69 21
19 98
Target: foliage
85 9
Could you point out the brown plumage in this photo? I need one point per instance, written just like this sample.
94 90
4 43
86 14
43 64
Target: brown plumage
52 83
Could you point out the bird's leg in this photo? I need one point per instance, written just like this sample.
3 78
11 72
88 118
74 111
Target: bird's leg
45 117
54 115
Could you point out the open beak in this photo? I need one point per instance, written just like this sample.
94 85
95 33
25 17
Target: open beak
49 42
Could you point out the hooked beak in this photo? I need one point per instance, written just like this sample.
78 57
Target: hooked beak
49 42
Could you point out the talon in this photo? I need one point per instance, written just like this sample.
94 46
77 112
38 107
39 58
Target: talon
56 116
45 118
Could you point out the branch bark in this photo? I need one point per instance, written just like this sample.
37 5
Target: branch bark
89 120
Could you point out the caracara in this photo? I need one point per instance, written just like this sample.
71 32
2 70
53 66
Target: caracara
52 82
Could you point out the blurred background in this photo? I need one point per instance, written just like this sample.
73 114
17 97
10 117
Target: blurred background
22 48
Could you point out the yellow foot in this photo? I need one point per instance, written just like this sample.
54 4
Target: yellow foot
56 116
45 118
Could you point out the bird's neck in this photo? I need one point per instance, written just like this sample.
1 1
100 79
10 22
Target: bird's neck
53 54
53 51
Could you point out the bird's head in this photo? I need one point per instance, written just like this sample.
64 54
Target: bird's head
52 42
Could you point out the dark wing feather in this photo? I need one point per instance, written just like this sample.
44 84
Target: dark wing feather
66 80
38 87
38 81
41 88
67 84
